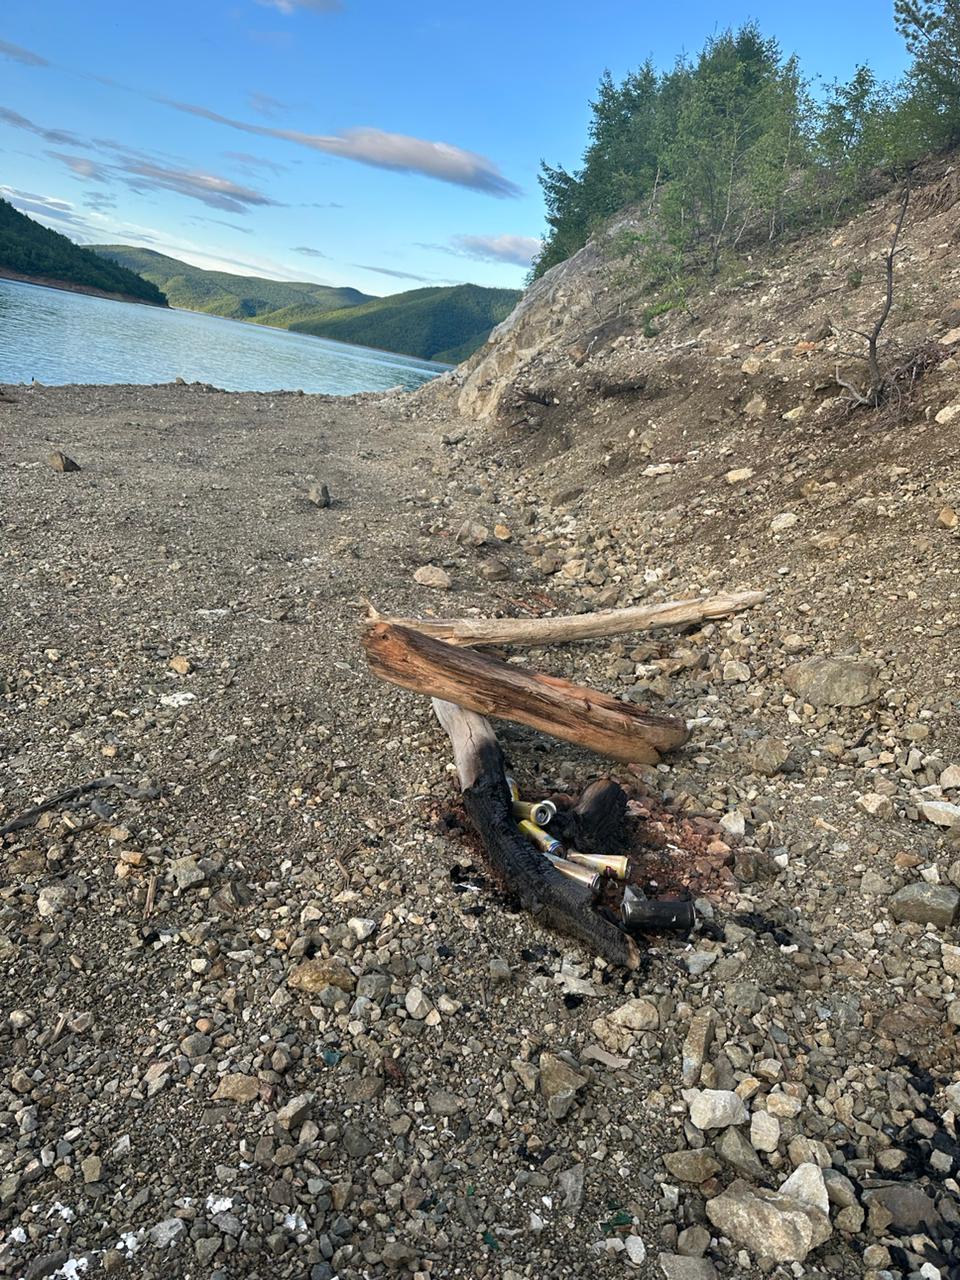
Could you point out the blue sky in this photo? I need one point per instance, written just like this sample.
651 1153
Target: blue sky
384 144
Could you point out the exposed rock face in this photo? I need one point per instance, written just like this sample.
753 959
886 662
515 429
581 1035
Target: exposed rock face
558 309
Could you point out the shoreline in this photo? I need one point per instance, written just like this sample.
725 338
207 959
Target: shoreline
69 286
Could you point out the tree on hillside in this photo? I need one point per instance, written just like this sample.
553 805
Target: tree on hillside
932 33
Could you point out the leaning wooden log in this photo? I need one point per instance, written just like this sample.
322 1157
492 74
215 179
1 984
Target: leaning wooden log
519 868
579 626
480 683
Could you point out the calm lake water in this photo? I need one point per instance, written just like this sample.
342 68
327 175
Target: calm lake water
58 337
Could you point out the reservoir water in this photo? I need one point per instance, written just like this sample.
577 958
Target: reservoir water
58 337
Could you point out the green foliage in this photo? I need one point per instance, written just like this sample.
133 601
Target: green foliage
29 249
220 293
445 324
731 147
932 34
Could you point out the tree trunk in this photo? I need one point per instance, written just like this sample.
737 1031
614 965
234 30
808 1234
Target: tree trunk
572 712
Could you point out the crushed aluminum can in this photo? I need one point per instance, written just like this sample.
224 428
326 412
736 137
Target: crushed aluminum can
604 863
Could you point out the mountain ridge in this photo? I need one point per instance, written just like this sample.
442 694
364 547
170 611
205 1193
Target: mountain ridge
444 323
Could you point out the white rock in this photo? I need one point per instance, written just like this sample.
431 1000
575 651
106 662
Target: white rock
953 1095
417 1004
950 778
942 813
733 823
950 337
806 1184
360 928
717 1109
784 521
636 1250
764 1131
431 575
794 415
53 899
948 413
738 475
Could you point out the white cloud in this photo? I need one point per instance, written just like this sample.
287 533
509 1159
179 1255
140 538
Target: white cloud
382 150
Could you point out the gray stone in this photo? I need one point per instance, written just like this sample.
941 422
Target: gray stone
558 1076
692 1166
693 1242
431 575
167 1232
570 1182
923 903
636 1251
186 872
677 1267
768 1224
834 682
196 1044
559 1105
697 1043
733 1148
840 1190
442 1103
907 1206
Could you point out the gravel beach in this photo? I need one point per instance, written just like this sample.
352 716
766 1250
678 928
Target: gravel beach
263 1014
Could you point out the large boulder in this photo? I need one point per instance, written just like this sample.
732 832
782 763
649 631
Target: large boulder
834 682
769 1224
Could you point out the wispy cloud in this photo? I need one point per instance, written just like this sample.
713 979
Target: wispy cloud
221 222
264 105
308 252
82 166
312 6
46 208
387 271
17 53
250 163
212 190
382 150
141 172
520 251
59 137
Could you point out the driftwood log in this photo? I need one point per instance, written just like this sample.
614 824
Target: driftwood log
551 898
489 686
580 626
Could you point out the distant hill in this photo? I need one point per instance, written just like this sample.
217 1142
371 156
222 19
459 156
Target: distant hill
222 294
33 252
445 324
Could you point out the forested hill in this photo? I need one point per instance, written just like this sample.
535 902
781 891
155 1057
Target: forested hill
34 252
221 293
444 324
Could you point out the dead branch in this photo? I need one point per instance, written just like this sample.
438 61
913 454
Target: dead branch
30 816
552 899
582 626
480 683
